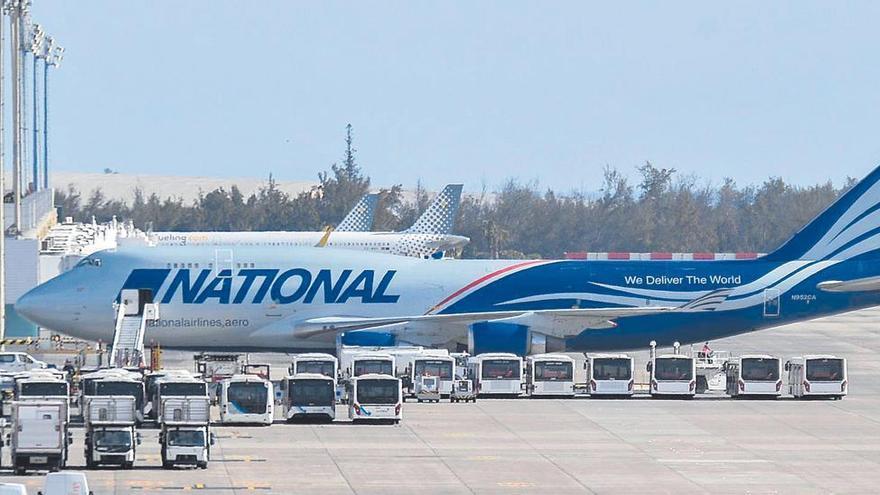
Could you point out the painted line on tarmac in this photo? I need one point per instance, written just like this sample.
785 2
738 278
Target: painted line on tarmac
712 461
202 486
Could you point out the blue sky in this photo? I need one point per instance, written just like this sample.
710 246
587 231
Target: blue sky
467 91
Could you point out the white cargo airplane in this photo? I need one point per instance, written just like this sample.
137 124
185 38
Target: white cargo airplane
288 299
429 236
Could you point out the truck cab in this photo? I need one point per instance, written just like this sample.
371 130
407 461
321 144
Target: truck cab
185 437
110 436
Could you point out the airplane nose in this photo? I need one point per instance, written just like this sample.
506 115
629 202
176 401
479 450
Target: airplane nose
33 304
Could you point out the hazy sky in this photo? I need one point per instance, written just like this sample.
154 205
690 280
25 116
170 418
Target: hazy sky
467 91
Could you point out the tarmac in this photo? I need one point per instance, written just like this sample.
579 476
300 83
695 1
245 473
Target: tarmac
711 444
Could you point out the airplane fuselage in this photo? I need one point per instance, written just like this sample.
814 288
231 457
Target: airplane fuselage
255 298
418 245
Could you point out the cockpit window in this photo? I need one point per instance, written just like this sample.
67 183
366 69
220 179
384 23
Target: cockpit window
89 261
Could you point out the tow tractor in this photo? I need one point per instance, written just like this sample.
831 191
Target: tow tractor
463 391
428 389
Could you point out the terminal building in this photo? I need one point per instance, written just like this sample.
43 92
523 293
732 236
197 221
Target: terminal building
44 247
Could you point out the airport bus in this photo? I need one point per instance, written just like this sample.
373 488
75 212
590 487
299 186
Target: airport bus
246 399
309 396
754 375
176 385
673 375
610 375
87 381
496 374
122 385
372 364
817 376
375 397
41 387
550 375
315 362
150 381
443 367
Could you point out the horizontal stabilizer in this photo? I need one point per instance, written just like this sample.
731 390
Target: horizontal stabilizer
867 284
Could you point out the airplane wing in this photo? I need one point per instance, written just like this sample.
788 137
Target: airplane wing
555 322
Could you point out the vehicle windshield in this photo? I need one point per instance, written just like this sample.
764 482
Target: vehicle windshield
673 369
501 369
88 386
186 438
130 389
434 367
825 370
546 371
759 369
179 389
112 441
325 368
378 391
311 393
612 369
248 398
377 366
43 388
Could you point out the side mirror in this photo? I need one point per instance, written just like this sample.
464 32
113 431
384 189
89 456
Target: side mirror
213 439
787 365
649 366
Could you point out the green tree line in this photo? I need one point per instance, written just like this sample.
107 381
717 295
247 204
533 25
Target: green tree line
664 211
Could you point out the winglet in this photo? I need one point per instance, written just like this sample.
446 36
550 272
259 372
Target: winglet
326 237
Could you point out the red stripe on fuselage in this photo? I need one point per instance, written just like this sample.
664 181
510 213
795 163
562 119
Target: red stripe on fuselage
481 280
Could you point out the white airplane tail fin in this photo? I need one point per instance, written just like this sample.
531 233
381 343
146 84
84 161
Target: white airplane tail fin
360 218
440 215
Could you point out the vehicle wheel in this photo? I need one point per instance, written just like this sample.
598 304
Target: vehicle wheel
167 465
127 465
19 471
90 464
420 401
202 465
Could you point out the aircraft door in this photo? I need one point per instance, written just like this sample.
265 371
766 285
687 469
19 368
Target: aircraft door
223 260
771 302
135 300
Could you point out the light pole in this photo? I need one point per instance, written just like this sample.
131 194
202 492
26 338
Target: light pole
54 54
15 11
3 11
36 48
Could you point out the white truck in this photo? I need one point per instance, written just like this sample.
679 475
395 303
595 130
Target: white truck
39 438
110 430
185 437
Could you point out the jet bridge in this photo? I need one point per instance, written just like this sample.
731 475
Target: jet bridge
133 311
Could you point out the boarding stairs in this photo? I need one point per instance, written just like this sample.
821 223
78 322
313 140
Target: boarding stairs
132 318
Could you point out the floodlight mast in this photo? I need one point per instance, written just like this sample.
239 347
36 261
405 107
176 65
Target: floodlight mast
3 11
38 37
17 10
54 54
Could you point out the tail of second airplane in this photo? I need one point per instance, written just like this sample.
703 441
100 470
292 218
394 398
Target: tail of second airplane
360 218
848 228
439 218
